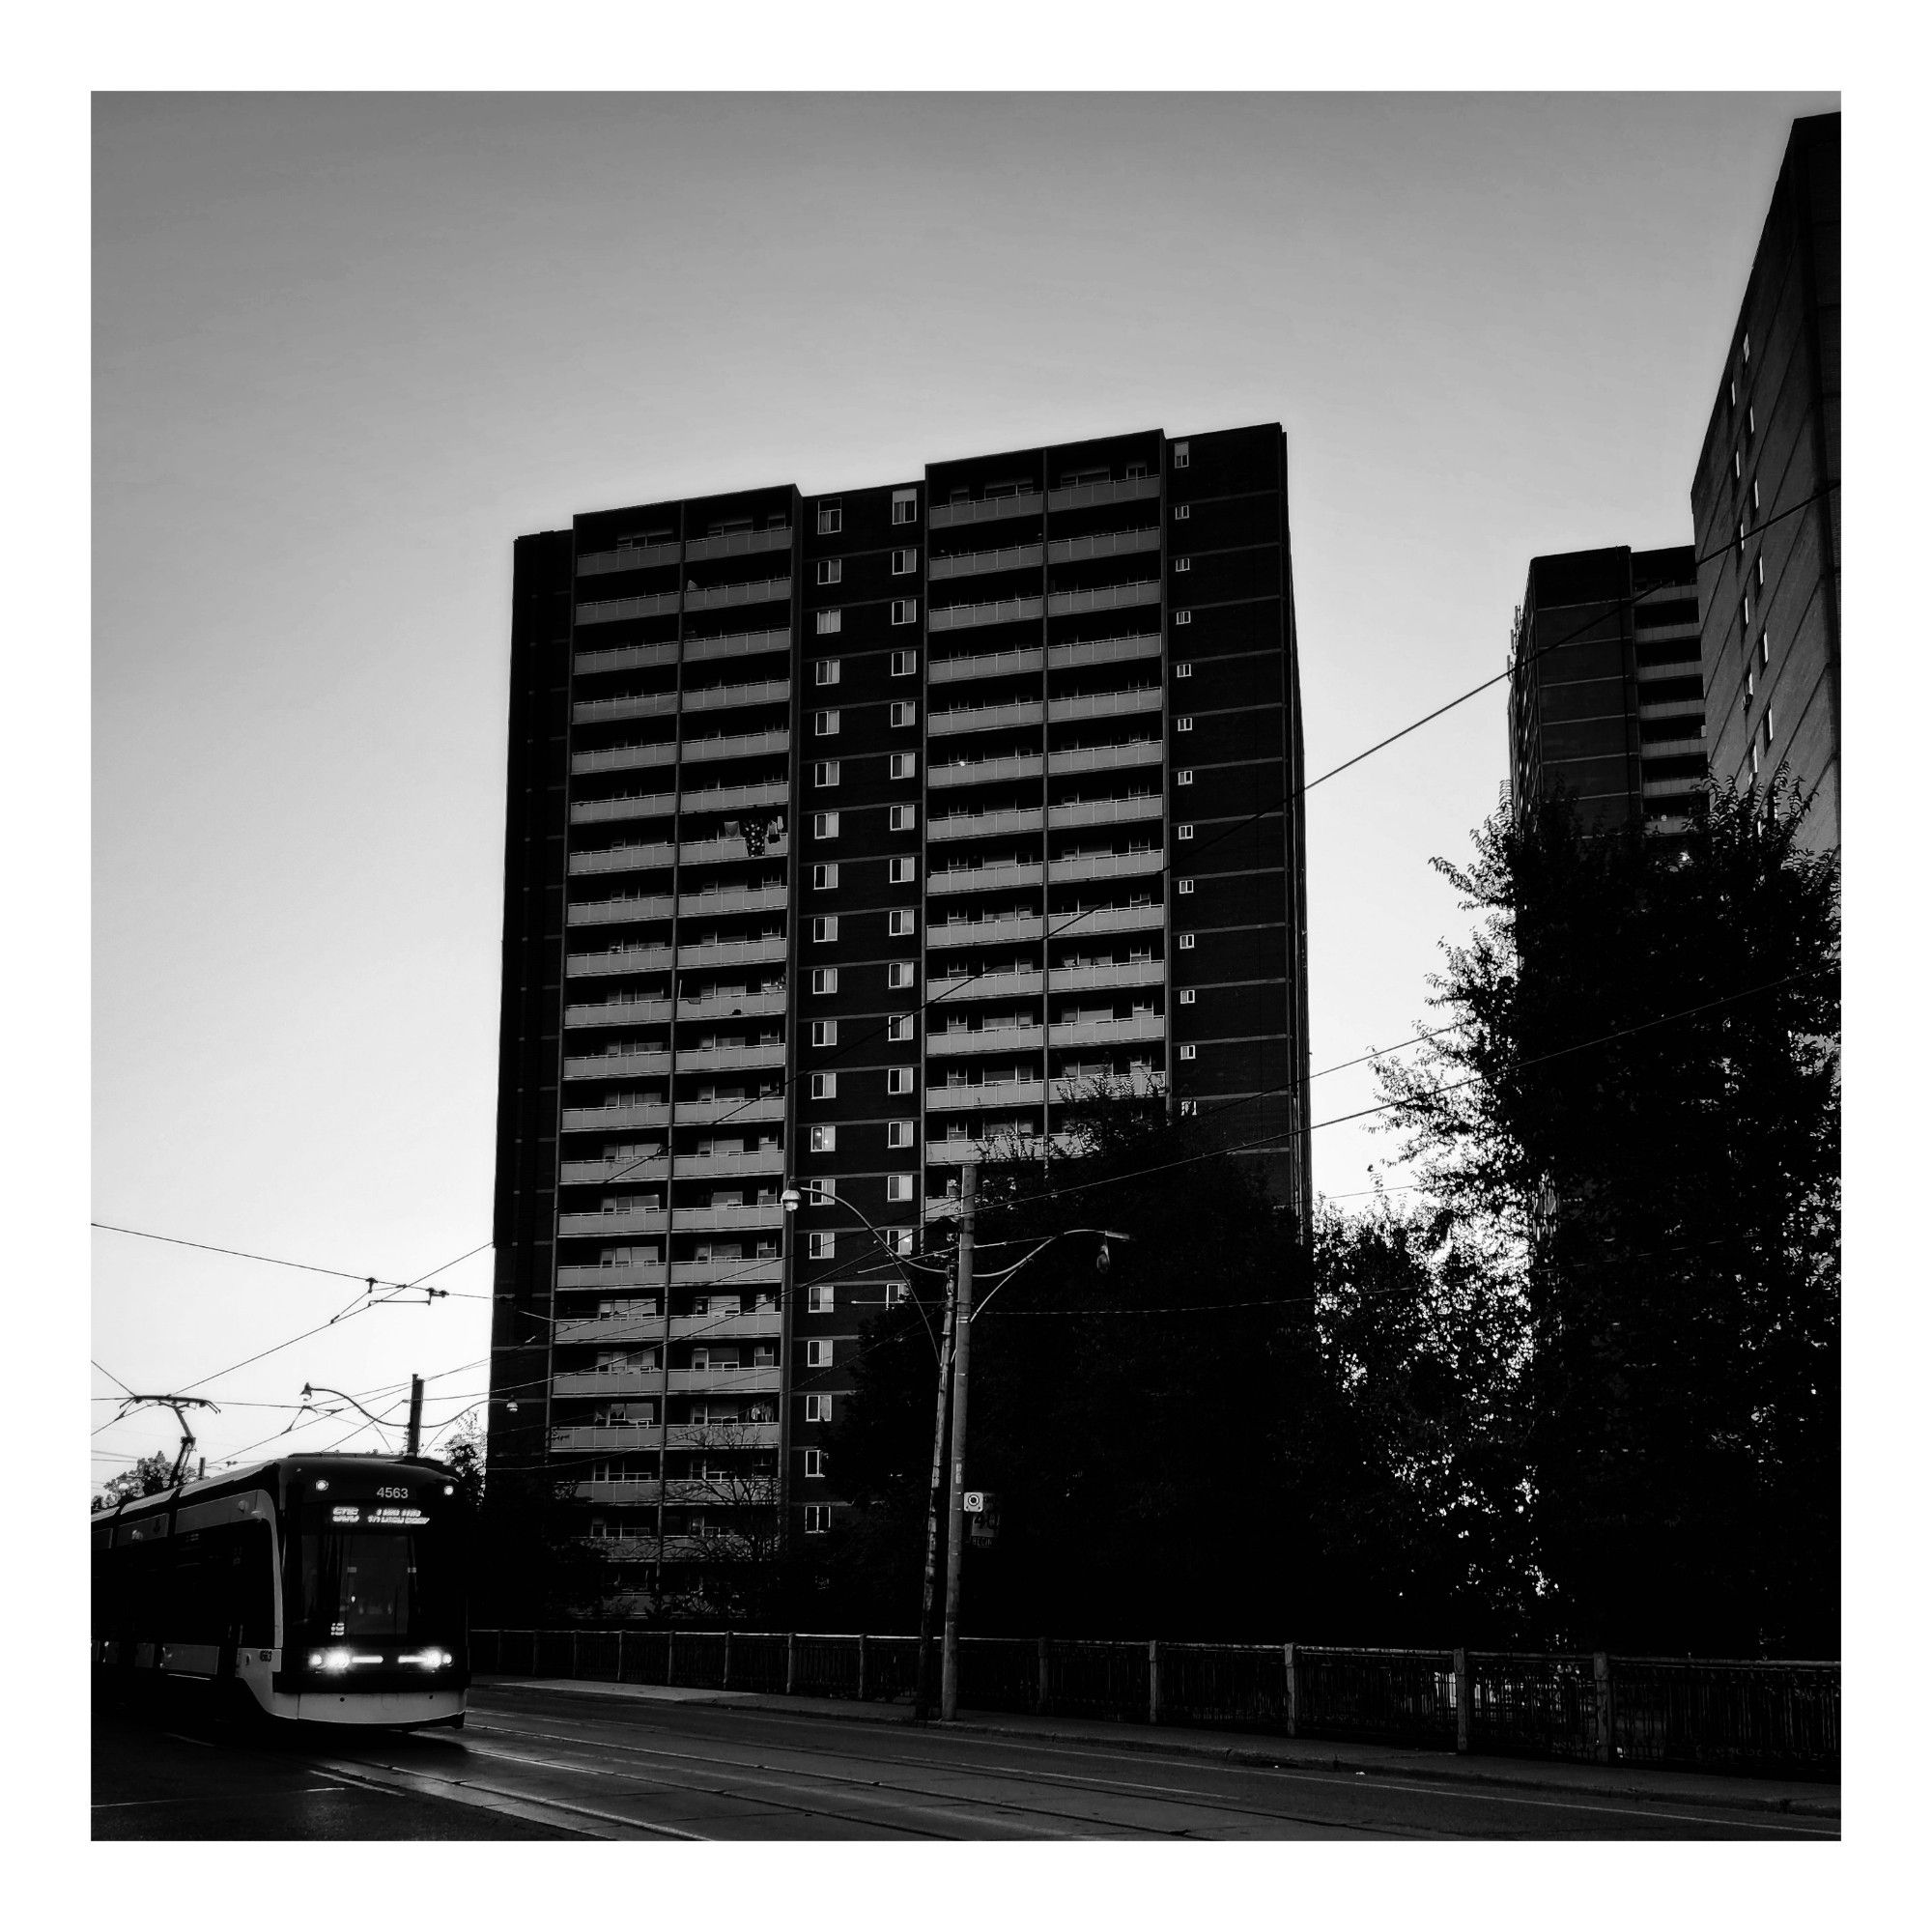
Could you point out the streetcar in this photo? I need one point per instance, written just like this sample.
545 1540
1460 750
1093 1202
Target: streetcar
312 1589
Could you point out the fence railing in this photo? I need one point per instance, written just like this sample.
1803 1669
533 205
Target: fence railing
1718 1713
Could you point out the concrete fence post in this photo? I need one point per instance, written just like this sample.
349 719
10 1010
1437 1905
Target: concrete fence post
1606 1748
621 1656
670 1658
1459 1663
1291 1703
1039 1698
862 1666
1154 1680
728 1660
791 1661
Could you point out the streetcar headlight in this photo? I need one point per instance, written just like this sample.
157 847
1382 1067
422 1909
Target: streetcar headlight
329 1659
428 1659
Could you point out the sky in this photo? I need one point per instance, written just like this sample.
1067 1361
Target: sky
346 348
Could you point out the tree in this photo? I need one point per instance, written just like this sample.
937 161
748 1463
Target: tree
737 1521
466 1455
1634 1108
148 1477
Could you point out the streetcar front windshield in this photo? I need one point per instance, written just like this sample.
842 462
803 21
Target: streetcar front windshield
368 1583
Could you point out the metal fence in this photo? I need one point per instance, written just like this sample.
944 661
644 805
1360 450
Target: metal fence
1714 1714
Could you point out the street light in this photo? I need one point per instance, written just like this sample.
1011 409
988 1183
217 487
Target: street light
414 1439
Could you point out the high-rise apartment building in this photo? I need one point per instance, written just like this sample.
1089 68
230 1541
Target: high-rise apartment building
1607 698
1765 503
848 834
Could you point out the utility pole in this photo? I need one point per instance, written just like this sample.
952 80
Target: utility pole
415 1447
956 1514
933 1493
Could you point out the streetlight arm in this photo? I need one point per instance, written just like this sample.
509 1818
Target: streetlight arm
1106 1234
308 1390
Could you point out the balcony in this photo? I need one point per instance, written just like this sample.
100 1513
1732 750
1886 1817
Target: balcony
750 1109
616 1012
983 771
1106 597
1105 703
618 960
941 1044
746 1214
1104 758
986 717
988 664
741 1269
625 657
992 876
737 644
1138 1028
984 932
622 1489
624 758
624 858
715 899
732 798
1087 496
706 1435
1114 919
724 1380
986 1094
1104 866
614 609
630 1167
744 744
1104 650
627 556
615 1223
737 543
611 1329
634 1114
617 1066
640 805
762 1323
982 562
623 911
722 851
727 697
992 510
639 704
732 1006
984 824
1120 973
726 596
721 1059
971 616
633 1274
645 1438
985 986
608 1381
732 952
1108 543
1690 709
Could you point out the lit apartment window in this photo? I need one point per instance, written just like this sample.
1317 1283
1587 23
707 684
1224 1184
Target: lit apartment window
906 506
899 974
1187 996
825 1032
1183 724
1180 456
904 662
903 872
899 925
898 1080
1183 564
831 516
904 765
819 1300
900 1027
824 1139
904 713
825 978
825 1085
818 1408
814 1463
1183 668
821 1246
904 562
1184 831
829 623
898 1187
818 1354
905 609
825 724
825 825
826 671
899 1240
899 1133
1187 942
825 929
902 817
1184 885
825 773
831 569
1190 1106
817 1516
1187 1053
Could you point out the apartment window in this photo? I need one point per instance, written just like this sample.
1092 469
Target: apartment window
904 713
825 929
1180 456
814 1463
831 516
829 623
825 1085
1182 512
825 773
817 1516
904 562
825 1032
898 1187
906 506
900 1027
824 1139
1751 422
1183 724
825 724
821 1244
1760 570
1737 466
818 1408
1756 503
1183 617
1734 395
1770 730
899 1133
903 872
1187 942
1184 885
899 1240
1187 996
1183 564
899 974
1763 651
819 1297
1747 348
825 978
1745 604
826 671
904 662
904 765
825 825
1184 831
905 609
818 1354
1183 668
898 1080
1187 1053
1190 1106
1185 778
900 924
902 817
824 878
1753 757
831 569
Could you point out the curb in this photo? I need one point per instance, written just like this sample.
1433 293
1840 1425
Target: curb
1282 1754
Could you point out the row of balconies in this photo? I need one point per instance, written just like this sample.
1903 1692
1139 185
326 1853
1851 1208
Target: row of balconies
1030 1037
761 1324
999 928
666 603
628 556
657 958
693 650
690 1059
658 1112
683 1382
1056 818
1065 979
1030 764
616 1221
633 805
1021 711
705 903
648 1438
689 1166
1031 502
1056 604
744 1272
996 875
691 751
664 703
641 858
656 1012
1031 555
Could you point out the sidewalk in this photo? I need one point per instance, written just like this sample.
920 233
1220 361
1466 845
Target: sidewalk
1647 1783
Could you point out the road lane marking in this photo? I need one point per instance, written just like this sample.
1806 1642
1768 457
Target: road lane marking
202 1798
465 1790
